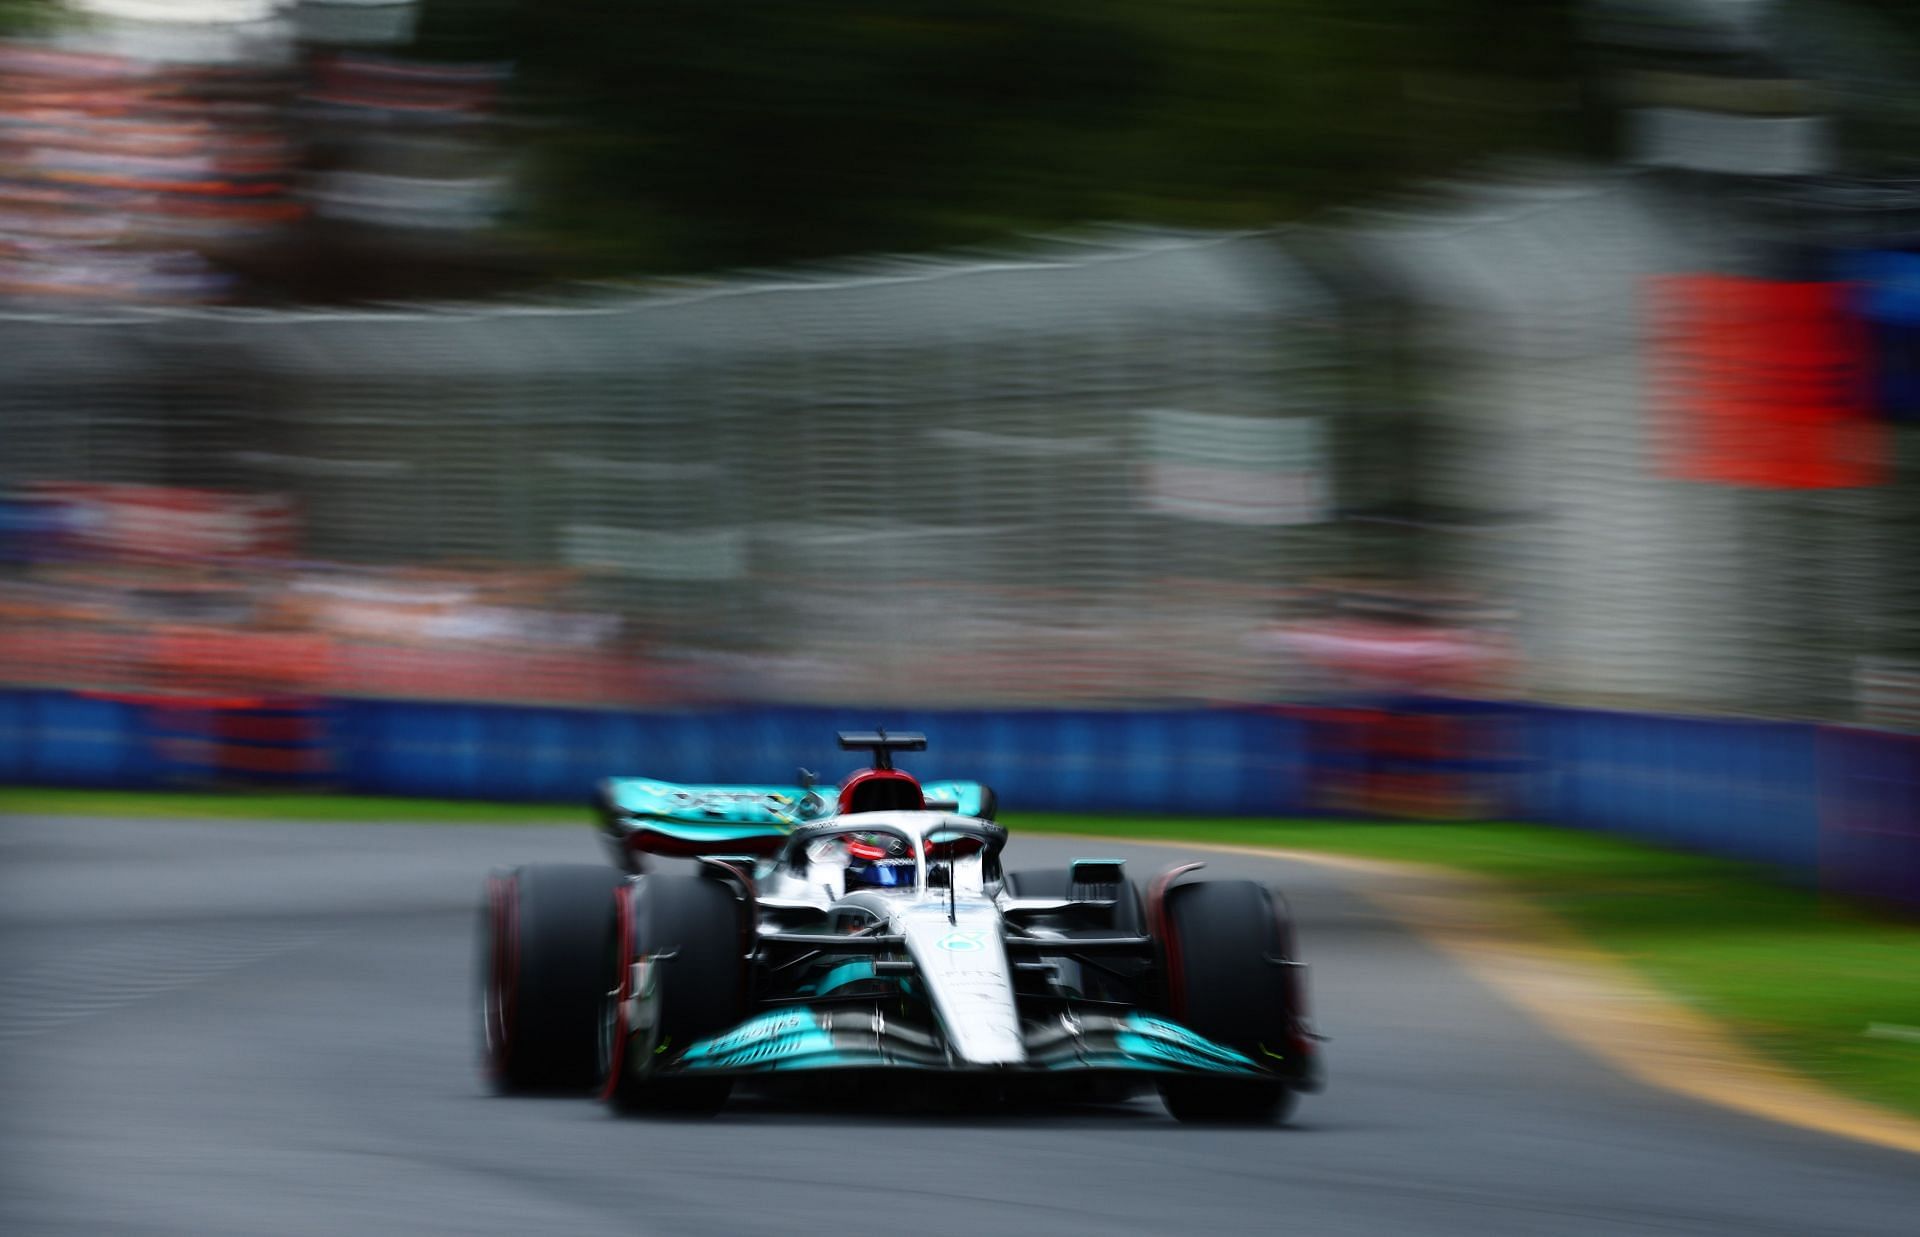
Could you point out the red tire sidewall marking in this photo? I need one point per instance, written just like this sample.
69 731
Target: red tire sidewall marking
503 967
623 960
1162 922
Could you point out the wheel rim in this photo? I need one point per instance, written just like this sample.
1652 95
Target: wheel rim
492 1030
612 1027
496 1002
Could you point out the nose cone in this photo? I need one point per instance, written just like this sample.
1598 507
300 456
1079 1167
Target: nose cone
964 965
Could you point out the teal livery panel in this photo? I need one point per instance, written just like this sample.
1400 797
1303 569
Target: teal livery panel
714 812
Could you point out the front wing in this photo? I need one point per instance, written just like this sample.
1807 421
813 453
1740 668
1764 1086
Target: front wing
861 1037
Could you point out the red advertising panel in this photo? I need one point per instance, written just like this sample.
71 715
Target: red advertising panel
1763 383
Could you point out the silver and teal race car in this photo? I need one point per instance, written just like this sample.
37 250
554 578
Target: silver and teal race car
875 929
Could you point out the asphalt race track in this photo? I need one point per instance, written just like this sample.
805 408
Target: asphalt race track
265 1029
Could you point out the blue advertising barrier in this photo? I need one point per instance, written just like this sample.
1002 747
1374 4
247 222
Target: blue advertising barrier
1841 802
55 738
1224 762
1741 788
1870 809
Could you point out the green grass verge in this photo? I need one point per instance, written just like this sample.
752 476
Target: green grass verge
1798 977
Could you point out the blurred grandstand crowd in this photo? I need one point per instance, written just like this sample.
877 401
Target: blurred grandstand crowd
143 589
168 154
152 589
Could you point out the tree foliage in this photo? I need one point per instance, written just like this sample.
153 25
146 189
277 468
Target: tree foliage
684 134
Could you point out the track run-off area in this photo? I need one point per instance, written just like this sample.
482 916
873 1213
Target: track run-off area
247 1028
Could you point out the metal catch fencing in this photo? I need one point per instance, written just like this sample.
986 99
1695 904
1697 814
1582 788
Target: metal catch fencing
1083 474
1138 468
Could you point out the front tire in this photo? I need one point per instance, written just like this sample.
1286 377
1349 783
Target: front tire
1219 939
690 932
540 977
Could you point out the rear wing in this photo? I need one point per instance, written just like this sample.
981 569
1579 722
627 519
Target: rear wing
647 817
882 744
644 816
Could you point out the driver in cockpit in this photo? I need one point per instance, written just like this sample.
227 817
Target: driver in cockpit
866 860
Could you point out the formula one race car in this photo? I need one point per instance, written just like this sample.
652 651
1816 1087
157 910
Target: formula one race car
876 930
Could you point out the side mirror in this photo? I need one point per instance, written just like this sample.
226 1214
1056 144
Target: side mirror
950 844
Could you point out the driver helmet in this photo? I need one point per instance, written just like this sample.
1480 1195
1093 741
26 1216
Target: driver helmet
879 861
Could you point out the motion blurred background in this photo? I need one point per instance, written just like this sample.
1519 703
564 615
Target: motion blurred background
1435 408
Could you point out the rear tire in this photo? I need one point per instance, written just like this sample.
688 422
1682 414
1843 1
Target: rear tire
700 989
1221 983
540 979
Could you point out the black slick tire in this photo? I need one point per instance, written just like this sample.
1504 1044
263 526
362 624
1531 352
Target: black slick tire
1222 983
541 934
694 927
